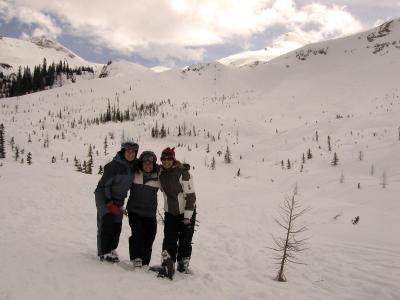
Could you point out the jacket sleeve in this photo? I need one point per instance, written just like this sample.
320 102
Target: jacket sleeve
188 193
106 181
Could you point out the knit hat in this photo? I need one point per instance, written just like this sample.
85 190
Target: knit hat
130 145
168 153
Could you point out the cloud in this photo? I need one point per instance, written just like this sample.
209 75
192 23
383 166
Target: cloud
176 29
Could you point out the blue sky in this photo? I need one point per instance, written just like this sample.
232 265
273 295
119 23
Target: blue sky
182 32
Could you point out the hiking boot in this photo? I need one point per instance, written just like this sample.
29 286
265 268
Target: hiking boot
109 257
183 265
167 266
137 263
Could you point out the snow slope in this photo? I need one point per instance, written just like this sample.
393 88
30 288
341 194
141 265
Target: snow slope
265 114
16 52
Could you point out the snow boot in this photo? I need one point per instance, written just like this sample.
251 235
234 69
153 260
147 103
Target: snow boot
137 263
109 257
167 266
183 265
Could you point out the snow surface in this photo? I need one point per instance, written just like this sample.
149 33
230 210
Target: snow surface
265 114
15 53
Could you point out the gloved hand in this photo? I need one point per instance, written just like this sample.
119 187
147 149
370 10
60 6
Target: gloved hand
114 209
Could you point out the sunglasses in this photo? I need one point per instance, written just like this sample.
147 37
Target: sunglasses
167 158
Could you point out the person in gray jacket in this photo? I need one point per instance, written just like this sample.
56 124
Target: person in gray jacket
142 209
180 214
110 195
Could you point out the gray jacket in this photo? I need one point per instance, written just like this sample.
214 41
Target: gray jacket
143 196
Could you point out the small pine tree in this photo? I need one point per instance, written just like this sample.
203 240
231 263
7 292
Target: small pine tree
329 144
238 173
208 148
2 142
29 158
316 136
228 157
384 180
29 138
53 160
16 153
335 160
309 154
105 146
101 171
288 165
89 165
213 164
303 159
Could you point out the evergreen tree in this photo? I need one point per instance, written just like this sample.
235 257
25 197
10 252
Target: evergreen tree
2 142
29 158
101 171
238 173
53 159
228 157
89 165
213 164
335 160
16 153
84 167
288 165
105 146
309 154
329 144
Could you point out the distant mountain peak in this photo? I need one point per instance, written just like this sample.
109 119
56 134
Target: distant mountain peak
46 42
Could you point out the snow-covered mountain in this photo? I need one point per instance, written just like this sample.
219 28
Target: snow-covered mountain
378 39
269 115
16 52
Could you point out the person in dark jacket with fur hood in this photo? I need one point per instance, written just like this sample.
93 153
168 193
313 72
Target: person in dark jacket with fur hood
142 209
180 213
110 195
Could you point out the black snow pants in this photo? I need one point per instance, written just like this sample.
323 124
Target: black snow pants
144 231
178 236
108 232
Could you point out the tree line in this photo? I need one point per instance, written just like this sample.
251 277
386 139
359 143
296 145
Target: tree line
43 76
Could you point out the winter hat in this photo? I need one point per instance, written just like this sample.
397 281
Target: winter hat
130 145
148 156
168 153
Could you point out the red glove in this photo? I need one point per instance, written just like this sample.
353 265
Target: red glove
114 209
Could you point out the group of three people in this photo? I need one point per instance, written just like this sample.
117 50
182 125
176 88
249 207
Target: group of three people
143 177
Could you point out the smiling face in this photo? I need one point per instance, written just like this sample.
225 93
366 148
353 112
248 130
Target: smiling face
147 166
167 162
130 154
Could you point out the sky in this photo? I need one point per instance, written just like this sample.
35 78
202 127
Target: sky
176 33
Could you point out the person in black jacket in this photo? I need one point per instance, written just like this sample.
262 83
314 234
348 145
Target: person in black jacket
142 209
110 195
180 213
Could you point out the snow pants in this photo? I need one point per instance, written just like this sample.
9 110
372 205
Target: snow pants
144 231
178 236
108 232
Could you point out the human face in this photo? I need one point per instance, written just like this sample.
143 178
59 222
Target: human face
167 162
130 154
147 166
